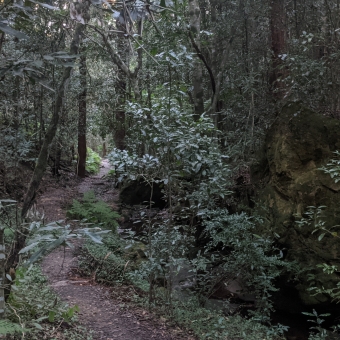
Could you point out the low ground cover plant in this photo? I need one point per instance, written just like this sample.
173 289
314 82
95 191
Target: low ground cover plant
92 210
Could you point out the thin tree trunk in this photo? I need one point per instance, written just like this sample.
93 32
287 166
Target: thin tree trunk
2 40
2 274
50 133
81 164
278 29
120 129
195 28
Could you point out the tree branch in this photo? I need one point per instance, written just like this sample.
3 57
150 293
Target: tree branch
201 56
114 56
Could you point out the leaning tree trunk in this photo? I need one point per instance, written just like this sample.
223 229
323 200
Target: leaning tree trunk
81 164
51 131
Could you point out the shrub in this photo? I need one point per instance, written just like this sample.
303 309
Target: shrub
208 324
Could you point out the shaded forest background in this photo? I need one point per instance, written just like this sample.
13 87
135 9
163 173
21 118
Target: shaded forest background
221 113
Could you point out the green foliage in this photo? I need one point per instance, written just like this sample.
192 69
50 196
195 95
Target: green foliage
106 262
184 155
93 161
189 163
33 304
214 325
249 257
113 261
8 327
94 211
14 147
42 239
321 333
333 167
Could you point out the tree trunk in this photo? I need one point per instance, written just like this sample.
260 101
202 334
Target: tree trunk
81 164
195 28
278 29
120 129
2 274
50 133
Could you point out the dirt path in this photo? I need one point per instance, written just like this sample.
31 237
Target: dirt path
99 311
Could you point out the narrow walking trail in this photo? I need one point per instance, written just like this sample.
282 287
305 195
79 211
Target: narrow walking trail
100 311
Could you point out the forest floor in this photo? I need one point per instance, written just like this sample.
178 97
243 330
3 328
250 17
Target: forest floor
102 309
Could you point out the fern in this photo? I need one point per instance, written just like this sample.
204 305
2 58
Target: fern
93 161
9 327
94 211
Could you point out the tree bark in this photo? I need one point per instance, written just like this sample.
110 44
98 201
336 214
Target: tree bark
50 133
81 164
195 28
2 274
278 30
120 128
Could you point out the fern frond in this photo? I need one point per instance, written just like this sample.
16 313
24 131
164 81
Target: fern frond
9 327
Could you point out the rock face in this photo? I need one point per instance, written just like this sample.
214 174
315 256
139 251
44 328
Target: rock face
300 142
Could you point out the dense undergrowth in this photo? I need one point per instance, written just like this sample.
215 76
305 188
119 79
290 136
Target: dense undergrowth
113 264
94 211
33 310
117 261
38 312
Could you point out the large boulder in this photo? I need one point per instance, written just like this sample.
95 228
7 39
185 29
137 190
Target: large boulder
136 192
290 180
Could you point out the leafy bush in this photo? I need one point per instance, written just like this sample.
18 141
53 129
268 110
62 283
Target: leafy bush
93 161
247 256
94 211
112 261
214 325
186 158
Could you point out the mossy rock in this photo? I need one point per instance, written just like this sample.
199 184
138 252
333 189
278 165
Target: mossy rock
300 142
136 253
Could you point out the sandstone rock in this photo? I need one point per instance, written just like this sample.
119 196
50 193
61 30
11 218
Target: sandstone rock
289 180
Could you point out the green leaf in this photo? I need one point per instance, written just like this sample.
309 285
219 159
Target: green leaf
29 247
9 30
321 236
51 316
36 325
93 237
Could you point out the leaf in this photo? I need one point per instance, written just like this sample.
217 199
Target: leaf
51 316
46 249
48 57
45 5
9 327
9 277
47 87
321 236
37 325
93 237
29 247
9 30
67 56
